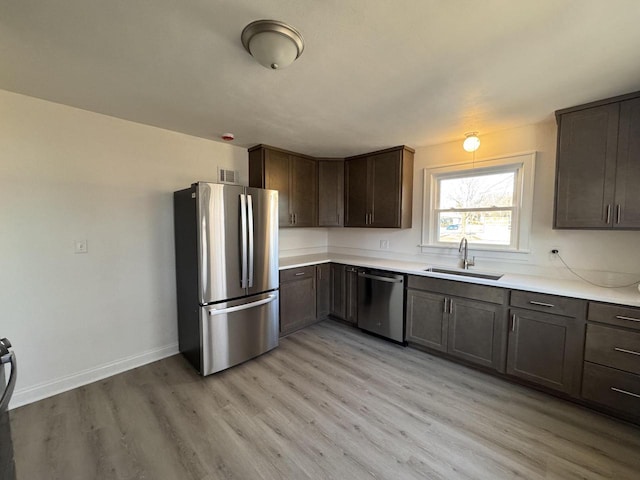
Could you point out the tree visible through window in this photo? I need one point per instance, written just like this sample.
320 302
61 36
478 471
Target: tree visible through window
490 202
480 207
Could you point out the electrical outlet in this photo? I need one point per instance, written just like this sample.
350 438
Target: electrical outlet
80 246
384 244
553 253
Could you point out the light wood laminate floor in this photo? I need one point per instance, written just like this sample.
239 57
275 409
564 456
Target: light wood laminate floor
330 402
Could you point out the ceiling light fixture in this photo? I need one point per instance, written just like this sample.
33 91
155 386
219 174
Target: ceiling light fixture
272 43
472 142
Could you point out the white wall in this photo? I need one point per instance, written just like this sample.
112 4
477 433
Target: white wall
303 241
68 174
605 256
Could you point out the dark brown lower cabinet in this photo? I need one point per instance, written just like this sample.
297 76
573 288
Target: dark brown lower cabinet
612 359
426 320
344 292
472 328
338 307
477 332
297 298
612 388
351 295
546 349
323 293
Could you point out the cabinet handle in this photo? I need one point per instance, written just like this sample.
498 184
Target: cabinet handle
624 350
619 390
541 304
445 306
513 322
295 218
298 274
631 319
608 214
618 213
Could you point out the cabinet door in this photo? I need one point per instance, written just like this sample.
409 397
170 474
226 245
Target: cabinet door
586 164
297 304
351 304
356 194
323 290
304 198
426 319
627 212
276 173
477 332
338 291
546 349
330 193
386 181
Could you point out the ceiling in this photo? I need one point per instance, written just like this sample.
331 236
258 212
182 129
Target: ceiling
373 73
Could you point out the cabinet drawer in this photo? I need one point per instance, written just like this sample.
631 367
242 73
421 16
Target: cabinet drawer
541 302
613 347
292 274
458 289
613 388
614 315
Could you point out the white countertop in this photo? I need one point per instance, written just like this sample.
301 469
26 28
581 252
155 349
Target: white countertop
533 283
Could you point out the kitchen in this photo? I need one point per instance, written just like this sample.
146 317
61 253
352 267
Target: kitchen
71 174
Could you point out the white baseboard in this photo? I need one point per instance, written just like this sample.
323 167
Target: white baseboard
37 392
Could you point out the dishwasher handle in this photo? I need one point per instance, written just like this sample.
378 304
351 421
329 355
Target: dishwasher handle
382 279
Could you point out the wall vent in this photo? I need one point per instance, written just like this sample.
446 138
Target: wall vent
228 176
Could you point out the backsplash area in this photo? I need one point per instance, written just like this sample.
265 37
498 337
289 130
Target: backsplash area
609 257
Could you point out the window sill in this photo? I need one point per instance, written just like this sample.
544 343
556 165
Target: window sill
481 251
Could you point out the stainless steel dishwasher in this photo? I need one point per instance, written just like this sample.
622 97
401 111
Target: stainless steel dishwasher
381 303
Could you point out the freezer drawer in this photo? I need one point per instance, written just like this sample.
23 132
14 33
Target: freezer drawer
233 332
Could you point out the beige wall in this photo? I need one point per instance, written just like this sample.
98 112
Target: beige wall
68 174
600 254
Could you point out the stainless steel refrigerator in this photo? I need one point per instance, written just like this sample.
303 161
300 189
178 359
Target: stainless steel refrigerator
7 357
226 239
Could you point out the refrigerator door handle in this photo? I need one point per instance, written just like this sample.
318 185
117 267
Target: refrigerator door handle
9 357
221 311
243 222
250 227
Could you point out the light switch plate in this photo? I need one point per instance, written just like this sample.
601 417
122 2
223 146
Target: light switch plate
80 246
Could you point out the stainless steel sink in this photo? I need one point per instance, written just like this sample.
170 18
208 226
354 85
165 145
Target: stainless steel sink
463 273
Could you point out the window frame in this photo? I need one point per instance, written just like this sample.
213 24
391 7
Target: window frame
524 166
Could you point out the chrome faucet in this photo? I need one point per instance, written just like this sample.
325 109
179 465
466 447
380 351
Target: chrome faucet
464 246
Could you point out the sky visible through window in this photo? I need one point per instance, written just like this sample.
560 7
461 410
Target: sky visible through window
479 207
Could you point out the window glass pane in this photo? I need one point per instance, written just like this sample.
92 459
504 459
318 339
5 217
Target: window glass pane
477 191
492 227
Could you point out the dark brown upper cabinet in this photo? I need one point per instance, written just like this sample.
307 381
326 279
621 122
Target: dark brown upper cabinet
379 189
295 178
598 165
330 192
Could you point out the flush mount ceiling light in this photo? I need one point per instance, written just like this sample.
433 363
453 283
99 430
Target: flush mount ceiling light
272 43
472 142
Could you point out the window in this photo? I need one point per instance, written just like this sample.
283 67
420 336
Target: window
489 203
